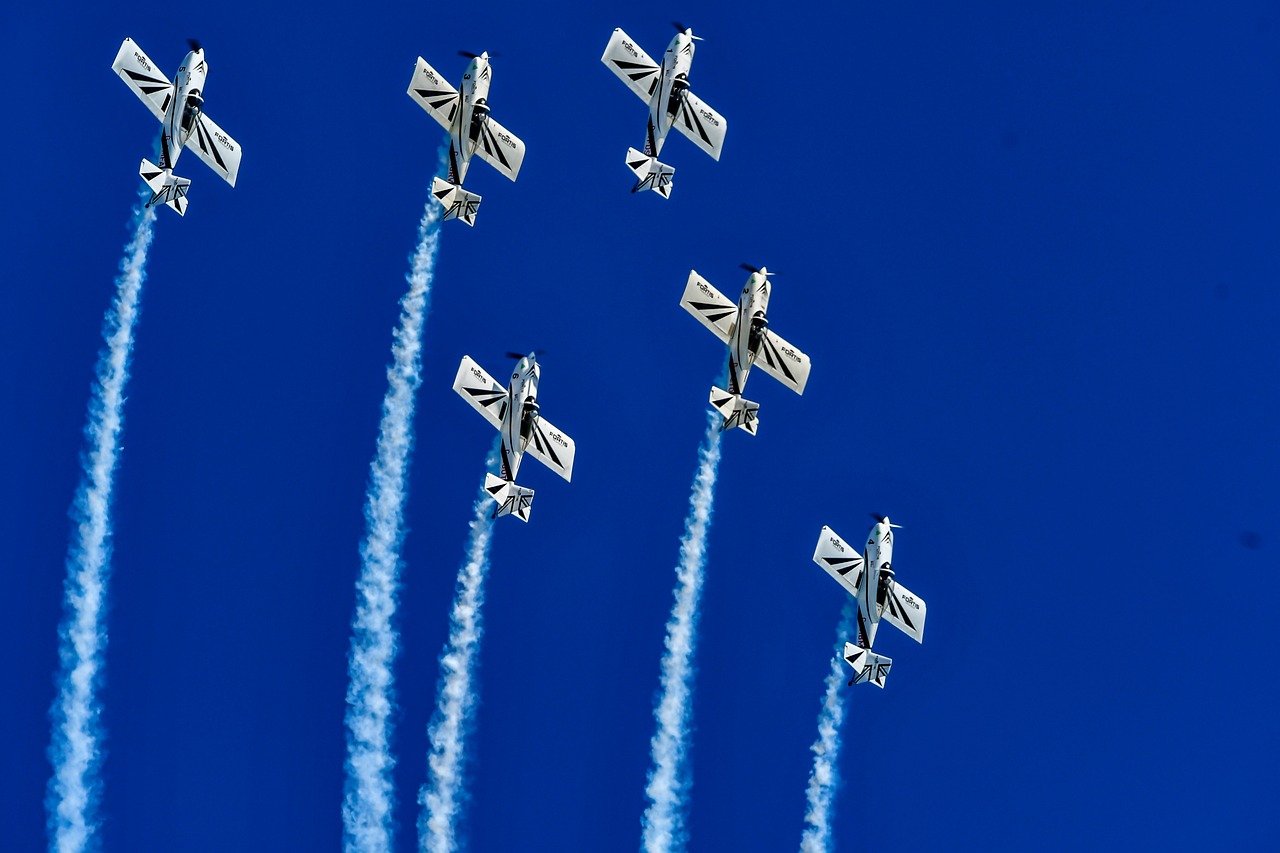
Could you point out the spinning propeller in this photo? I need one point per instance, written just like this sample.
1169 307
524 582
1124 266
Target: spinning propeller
681 28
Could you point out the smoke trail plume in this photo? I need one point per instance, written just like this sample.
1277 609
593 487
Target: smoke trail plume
824 779
442 796
74 789
669 777
366 808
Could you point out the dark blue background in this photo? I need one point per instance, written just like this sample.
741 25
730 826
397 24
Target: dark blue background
1031 250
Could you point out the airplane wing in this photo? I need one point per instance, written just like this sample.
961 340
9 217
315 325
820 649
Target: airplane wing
551 447
709 306
839 560
783 362
142 76
704 126
632 65
905 611
500 148
216 148
430 91
481 390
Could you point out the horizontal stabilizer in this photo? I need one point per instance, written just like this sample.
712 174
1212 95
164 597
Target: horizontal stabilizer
867 665
650 174
457 202
510 498
166 187
736 411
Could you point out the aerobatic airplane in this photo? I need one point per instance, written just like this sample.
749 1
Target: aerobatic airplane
870 580
465 114
665 88
744 328
514 412
180 108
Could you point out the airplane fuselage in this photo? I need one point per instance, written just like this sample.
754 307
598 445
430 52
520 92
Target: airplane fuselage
184 108
876 578
672 85
473 112
521 414
748 328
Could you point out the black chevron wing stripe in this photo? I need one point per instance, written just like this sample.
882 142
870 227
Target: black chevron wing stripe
148 85
775 359
714 311
896 608
492 147
691 121
206 144
543 445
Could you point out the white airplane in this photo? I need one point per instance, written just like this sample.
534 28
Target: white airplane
471 129
870 580
743 328
665 88
180 108
514 412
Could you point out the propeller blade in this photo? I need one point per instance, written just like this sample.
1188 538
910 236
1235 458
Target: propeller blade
749 267
194 44
680 28
516 355
468 54
877 517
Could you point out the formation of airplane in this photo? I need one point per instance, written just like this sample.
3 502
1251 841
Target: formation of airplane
464 113
665 89
180 108
514 412
869 578
744 327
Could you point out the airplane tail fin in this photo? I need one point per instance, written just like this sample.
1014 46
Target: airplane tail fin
510 498
650 174
457 202
736 410
166 187
867 665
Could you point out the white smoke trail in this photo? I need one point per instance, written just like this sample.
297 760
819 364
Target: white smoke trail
366 808
442 796
74 788
669 777
824 779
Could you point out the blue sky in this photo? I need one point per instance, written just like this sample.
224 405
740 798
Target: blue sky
1030 250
